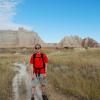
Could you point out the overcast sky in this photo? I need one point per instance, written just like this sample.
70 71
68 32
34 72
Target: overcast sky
52 19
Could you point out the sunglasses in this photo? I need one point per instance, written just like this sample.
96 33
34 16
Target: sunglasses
37 48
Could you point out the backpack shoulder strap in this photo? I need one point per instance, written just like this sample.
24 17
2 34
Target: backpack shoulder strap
34 56
42 56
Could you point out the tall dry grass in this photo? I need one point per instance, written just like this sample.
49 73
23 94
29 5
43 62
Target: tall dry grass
76 73
6 76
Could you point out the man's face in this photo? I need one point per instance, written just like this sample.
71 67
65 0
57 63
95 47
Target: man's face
37 49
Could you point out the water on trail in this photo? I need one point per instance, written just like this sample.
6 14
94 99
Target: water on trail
22 84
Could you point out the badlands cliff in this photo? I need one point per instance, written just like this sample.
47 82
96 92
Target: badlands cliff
18 38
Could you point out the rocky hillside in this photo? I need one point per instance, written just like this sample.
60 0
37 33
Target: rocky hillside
75 41
19 38
25 38
89 42
70 41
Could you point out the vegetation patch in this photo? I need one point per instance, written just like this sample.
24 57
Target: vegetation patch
76 74
6 76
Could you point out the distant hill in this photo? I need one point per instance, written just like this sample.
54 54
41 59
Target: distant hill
89 42
25 38
19 38
70 41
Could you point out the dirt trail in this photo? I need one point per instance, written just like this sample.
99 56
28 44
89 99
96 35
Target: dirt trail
22 86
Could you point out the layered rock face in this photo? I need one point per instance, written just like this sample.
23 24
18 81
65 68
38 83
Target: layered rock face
70 41
24 38
89 42
20 38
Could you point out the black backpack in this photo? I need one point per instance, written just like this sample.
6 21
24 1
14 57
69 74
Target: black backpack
38 70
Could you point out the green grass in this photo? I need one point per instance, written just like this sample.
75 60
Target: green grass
76 74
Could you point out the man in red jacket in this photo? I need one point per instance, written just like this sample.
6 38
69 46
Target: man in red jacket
39 61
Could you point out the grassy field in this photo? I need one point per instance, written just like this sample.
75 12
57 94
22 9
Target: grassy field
73 73
6 76
76 73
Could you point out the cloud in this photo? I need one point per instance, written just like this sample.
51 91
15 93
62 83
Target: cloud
7 13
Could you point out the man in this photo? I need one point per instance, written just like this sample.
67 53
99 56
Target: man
39 61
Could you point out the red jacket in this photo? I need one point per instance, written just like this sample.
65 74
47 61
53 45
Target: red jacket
38 62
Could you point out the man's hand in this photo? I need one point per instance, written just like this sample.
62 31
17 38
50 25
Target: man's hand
44 76
33 76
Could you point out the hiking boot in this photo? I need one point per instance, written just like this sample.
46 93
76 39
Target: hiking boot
44 97
32 98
